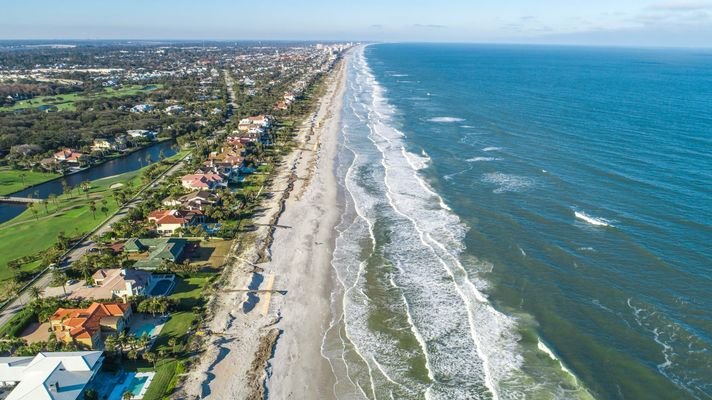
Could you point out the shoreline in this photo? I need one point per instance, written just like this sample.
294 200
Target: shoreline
275 349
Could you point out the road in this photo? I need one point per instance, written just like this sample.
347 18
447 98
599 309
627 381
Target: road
231 92
86 245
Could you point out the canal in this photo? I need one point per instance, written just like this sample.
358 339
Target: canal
130 162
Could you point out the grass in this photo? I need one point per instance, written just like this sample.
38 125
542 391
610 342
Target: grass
188 293
27 235
11 180
67 101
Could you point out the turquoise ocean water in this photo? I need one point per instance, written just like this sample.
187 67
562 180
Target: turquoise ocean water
524 223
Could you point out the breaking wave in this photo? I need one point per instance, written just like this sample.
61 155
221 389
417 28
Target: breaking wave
596 221
446 119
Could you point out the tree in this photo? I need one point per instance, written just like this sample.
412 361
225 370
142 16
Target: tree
150 357
127 395
59 277
22 176
85 186
91 394
35 293
92 208
52 198
84 266
172 342
45 204
33 209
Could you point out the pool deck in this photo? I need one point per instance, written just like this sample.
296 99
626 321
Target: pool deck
139 320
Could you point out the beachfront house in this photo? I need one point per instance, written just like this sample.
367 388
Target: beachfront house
85 326
197 200
167 222
155 251
115 283
207 181
49 375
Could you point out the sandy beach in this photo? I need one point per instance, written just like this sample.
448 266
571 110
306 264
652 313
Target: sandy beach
274 350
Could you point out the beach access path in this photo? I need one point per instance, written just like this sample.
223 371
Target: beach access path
298 220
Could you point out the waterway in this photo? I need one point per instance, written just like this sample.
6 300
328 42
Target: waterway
128 163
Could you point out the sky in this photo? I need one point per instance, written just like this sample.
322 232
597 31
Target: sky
686 23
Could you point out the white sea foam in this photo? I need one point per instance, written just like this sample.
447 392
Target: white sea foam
596 221
483 159
400 75
543 347
445 119
492 148
508 182
464 340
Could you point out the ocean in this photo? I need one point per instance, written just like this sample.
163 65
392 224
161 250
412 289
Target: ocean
524 223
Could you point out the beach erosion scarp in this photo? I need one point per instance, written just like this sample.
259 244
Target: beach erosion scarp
273 351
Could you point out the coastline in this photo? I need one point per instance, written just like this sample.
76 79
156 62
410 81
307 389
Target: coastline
275 349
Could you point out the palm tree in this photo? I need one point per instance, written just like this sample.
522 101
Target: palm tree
60 277
35 293
150 357
127 395
22 176
172 342
84 267
92 208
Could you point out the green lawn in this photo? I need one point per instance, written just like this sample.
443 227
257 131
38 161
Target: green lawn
66 101
27 234
12 180
188 294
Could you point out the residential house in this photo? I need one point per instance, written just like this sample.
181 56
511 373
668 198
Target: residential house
115 282
158 250
109 144
141 134
49 375
141 108
85 326
200 181
197 200
70 156
166 222
174 109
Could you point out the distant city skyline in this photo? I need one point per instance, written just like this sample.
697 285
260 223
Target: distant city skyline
605 22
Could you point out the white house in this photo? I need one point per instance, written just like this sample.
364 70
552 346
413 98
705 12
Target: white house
49 376
141 108
175 109
141 133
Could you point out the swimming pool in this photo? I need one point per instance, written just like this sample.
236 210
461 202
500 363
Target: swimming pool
136 385
148 329
162 288
135 382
